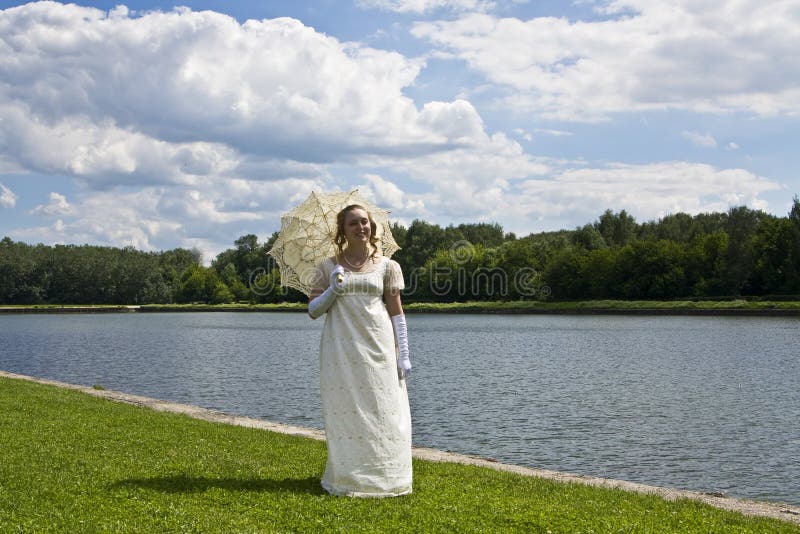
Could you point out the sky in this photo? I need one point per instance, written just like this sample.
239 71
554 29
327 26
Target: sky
160 125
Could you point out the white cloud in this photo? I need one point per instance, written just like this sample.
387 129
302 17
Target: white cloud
524 134
218 126
8 199
387 195
190 129
731 146
702 140
153 218
497 158
196 205
58 206
457 121
465 182
424 6
567 196
151 99
646 191
712 56
554 133
384 192
114 219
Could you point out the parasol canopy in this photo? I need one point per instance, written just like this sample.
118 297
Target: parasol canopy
307 234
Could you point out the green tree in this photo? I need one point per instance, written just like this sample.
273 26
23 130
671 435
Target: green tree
777 251
202 284
421 241
566 274
652 270
706 264
247 257
484 234
601 272
741 227
238 289
588 237
617 229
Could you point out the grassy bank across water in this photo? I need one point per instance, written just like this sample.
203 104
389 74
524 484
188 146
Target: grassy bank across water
75 463
632 307
621 307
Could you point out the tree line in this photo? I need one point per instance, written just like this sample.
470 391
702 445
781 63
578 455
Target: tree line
741 252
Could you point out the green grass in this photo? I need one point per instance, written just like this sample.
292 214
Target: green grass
238 306
282 306
677 306
60 306
75 463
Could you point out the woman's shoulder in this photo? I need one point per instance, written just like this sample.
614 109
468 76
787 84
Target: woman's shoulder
390 263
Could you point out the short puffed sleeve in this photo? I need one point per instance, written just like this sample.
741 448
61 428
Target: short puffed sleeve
320 275
393 279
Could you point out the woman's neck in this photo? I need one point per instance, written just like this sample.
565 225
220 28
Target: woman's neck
356 256
357 251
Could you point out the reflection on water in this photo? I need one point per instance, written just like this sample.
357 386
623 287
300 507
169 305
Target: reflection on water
704 403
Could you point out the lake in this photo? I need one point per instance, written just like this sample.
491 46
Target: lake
700 403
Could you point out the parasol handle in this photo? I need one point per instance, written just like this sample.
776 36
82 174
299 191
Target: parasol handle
339 278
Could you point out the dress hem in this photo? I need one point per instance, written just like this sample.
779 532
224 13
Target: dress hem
362 494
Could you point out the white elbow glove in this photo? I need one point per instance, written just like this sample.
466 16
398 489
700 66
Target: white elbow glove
401 337
323 302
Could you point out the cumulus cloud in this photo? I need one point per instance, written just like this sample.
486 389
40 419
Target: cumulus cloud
387 195
565 196
384 192
710 56
465 182
498 158
58 205
702 140
190 128
207 127
8 199
167 96
114 219
646 191
196 205
103 154
457 121
154 218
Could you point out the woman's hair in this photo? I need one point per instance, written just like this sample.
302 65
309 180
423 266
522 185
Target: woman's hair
340 239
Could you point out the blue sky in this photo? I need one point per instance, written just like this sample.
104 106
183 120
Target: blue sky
164 125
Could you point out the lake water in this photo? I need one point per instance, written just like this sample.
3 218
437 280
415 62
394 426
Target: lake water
701 403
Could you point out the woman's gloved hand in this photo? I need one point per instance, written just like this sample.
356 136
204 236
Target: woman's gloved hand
321 304
401 338
336 279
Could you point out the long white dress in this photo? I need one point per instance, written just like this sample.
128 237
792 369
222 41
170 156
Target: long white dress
364 402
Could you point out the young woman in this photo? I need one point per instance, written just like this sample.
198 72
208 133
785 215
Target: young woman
363 364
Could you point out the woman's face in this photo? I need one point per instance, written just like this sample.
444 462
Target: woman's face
356 227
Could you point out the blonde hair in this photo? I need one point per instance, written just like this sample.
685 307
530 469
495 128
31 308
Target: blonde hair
340 238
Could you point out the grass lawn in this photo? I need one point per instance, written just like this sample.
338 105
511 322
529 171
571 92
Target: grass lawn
74 463
677 306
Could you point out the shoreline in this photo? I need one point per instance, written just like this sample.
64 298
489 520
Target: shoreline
784 512
739 308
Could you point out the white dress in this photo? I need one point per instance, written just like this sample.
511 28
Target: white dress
364 402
